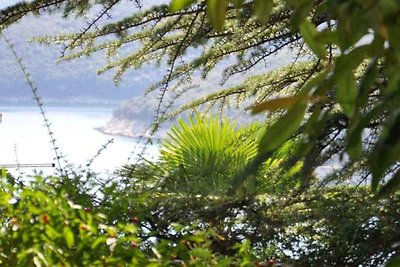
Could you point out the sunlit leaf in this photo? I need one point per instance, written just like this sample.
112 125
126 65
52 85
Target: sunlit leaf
177 5
69 237
216 11
281 103
3 173
283 129
201 253
275 104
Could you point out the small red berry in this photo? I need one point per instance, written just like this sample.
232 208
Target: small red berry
134 244
45 218
87 209
256 263
270 262
134 220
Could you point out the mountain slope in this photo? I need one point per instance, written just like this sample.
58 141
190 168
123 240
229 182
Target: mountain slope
74 81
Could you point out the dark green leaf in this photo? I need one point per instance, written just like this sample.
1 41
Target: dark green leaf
263 9
320 83
386 151
357 124
390 187
237 3
392 72
349 62
346 94
352 25
394 262
298 3
326 37
367 81
283 129
309 33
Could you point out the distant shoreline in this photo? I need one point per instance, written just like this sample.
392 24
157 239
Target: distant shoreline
58 103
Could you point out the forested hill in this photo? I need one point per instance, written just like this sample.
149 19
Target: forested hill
74 81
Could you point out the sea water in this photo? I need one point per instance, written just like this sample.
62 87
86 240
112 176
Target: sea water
24 138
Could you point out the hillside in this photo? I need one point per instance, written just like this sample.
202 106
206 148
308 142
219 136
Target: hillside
134 117
74 81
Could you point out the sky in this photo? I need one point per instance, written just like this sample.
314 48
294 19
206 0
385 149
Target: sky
6 3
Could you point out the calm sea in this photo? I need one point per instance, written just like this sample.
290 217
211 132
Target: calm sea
24 139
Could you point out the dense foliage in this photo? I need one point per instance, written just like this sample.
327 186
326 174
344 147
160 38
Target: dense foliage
41 226
215 198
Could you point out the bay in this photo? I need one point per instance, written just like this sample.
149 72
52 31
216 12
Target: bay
24 138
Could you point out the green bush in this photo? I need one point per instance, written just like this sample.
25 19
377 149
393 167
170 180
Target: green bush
40 226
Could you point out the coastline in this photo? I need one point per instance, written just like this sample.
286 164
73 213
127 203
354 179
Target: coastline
129 129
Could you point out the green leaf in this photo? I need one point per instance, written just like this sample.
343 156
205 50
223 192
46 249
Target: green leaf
237 3
394 262
275 104
298 3
177 5
313 129
201 253
283 129
353 138
358 123
392 72
309 33
349 62
390 187
346 94
3 173
350 27
216 11
316 82
263 9
51 232
386 151
98 241
326 37
69 237
367 81
300 14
